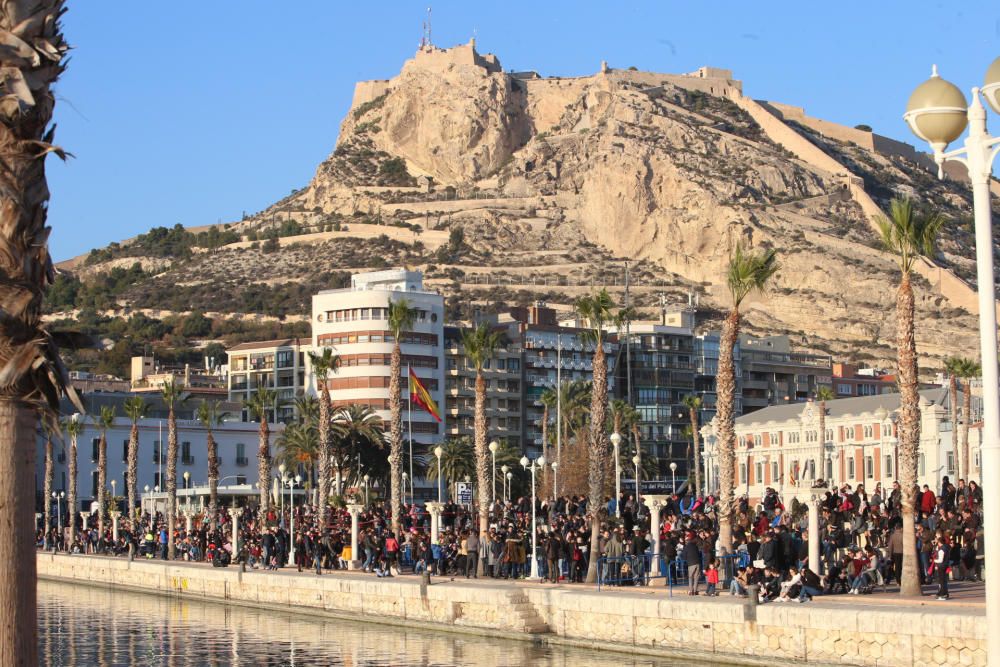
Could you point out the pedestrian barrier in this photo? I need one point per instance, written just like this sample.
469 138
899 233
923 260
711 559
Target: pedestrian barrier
629 570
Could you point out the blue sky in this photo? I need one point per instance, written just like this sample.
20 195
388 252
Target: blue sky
193 111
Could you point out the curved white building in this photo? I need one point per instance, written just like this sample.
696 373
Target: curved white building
354 323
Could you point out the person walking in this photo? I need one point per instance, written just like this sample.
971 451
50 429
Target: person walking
691 553
472 555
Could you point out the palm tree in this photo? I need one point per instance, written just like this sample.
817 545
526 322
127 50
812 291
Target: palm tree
968 371
908 235
358 435
172 394
693 403
457 462
259 404
104 421
401 319
548 398
748 272
49 471
74 427
598 311
298 445
33 376
480 345
323 364
209 416
135 409
823 394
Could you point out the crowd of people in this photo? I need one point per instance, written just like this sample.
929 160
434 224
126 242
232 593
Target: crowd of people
860 536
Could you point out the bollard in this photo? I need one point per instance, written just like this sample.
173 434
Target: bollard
425 581
753 598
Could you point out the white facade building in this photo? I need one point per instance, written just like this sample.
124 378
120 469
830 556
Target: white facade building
354 323
236 441
778 446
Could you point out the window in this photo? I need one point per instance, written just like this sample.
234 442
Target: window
869 431
93 484
241 454
157 482
922 465
156 451
758 440
774 439
869 467
125 451
241 479
850 467
843 389
95 446
888 466
829 469
774 471
950 466
829 435
886 430
186 457
793 437
758 472
743 473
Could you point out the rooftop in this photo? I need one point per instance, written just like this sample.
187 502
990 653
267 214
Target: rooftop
841 407
263 344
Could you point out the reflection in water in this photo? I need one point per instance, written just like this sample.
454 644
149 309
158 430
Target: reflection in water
83 625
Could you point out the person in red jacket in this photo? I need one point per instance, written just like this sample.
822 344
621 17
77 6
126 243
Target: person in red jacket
927 501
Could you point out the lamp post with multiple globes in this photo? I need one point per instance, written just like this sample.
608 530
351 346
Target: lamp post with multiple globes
938 113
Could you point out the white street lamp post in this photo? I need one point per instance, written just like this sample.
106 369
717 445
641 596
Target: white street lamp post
504 468
555 476
636 460
366 478
938 114
673 475
616 440
493 450
438 452
510 482
534 465
292 482
405 477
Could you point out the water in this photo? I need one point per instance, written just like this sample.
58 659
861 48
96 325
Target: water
91 626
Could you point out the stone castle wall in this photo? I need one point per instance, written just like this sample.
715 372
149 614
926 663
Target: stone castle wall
828 633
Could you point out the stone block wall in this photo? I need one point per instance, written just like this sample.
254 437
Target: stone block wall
830 633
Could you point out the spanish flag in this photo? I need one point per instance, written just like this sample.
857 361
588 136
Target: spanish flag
420 396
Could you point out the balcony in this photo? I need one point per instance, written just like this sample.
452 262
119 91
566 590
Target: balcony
241 461
187 460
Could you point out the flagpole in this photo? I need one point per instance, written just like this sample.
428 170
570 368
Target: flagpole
409 418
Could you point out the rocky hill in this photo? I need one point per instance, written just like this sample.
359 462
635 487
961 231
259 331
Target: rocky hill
509 187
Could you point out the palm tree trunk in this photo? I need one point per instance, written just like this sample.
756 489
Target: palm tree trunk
597 454
171 480
17 524
967 412
47 485
325 450
264 470
102 478
132 469
545 450
213 477
482 465
71 492
909 433
726 424
395 439
696 443
820 472
953 396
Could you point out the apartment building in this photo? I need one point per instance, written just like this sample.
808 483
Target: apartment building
706 360
279 365
354 323
773 374
503 376
850 380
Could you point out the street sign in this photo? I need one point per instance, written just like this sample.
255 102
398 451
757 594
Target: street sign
463 492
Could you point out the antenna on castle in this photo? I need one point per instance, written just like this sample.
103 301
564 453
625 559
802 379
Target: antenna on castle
425 41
